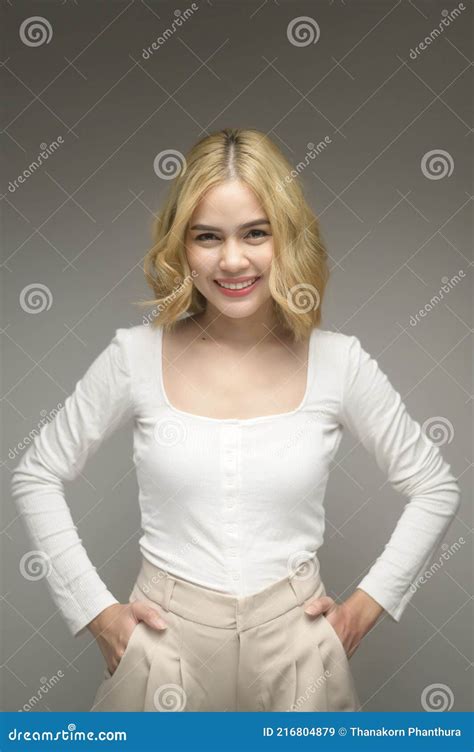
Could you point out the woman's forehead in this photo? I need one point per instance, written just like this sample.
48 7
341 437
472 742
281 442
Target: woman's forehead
227 206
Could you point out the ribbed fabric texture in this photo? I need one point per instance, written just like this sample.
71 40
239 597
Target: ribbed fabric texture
234 505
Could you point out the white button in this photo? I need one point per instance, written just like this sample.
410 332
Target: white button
236 576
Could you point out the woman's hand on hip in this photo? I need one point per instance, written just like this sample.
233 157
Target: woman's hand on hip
113 627
351 619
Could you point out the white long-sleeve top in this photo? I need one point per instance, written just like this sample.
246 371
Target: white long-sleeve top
233 505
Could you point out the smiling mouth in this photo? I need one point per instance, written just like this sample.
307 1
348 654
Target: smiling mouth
237 285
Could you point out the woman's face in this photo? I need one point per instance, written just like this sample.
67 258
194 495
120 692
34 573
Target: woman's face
228 240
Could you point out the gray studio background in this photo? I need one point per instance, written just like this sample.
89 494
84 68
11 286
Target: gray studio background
392 188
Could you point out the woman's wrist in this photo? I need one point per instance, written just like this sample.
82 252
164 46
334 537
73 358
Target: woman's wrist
96 625
364 609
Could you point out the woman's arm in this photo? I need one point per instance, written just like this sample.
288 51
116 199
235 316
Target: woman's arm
100 403
375 413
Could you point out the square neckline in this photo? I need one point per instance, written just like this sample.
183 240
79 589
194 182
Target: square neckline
241 421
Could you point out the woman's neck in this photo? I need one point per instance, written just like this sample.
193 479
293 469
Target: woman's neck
239 332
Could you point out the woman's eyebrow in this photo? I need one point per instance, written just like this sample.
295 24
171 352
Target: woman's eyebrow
241 227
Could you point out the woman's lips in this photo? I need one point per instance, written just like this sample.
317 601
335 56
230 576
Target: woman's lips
237 293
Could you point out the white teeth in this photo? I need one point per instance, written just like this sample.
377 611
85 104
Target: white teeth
238 286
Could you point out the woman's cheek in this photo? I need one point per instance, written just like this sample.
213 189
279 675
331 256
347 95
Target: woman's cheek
202 266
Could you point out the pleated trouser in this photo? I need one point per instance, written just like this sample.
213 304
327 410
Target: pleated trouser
223 653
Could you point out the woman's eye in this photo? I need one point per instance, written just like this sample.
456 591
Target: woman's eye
205 236
264 234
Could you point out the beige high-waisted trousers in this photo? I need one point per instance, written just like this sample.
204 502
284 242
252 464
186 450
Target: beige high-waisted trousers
223 653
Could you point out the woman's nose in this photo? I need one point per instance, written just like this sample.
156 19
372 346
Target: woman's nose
233 254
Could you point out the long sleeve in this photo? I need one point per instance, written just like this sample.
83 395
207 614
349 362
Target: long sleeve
99 404
375 413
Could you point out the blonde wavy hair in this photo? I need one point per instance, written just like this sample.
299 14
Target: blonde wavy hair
299 270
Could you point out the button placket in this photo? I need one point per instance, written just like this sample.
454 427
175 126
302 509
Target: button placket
230 456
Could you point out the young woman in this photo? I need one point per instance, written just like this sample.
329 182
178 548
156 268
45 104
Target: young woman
239 399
